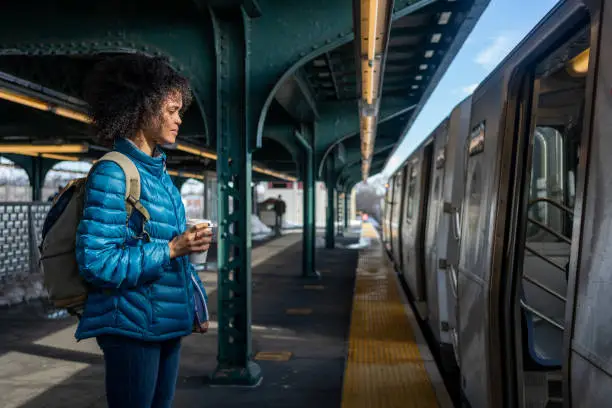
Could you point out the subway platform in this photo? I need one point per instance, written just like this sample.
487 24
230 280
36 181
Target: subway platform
348 340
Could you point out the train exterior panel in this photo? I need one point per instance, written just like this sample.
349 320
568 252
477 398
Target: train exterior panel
433 251
449 229
477 240
588 344
396 219
500 226
416 193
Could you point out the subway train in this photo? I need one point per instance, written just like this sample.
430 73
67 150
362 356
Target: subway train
499 224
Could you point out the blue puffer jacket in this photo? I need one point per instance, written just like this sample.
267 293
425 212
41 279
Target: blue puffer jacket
138 291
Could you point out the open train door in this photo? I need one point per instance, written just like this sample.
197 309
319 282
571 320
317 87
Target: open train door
553 101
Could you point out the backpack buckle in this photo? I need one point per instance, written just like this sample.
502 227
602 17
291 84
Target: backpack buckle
144 235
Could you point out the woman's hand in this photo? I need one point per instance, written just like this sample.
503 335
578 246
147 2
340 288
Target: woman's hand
203 328
195 239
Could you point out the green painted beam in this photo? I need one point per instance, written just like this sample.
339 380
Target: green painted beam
330 183
339 122
283 134
297 98
350 166
353 155
283 40
124 27
354 175
347 194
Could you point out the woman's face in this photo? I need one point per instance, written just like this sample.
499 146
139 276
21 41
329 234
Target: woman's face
165 129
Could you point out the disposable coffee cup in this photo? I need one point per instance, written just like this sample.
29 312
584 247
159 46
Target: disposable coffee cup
198 259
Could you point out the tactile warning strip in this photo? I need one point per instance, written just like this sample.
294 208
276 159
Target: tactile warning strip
384 366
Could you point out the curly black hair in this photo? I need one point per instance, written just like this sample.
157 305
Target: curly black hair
125 94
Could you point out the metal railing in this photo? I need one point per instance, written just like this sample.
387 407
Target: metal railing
543 257
20 235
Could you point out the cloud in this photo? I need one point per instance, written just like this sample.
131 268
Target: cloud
469 89
465 90
500 46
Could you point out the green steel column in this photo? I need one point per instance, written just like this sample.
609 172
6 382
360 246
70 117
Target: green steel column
234 358
346 210
38 179
329 225
309 231
309 222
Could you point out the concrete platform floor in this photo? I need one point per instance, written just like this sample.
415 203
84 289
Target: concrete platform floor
41 365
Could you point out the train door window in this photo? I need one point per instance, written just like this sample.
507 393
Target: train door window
411 202
558 98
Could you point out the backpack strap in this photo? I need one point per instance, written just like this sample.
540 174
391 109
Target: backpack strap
132 180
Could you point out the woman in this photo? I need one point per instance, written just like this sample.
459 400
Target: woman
141 299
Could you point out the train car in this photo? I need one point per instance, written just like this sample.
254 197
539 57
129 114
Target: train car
500 221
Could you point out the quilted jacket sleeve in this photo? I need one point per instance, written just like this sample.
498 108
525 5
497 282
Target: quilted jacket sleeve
103 259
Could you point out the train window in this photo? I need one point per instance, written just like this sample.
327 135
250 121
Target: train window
549 180
412 190
397 198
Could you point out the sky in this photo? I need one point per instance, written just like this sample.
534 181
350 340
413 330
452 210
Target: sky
502 26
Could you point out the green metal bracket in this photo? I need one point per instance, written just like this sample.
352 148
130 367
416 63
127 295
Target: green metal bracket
350 165
339 123
303 141
309 189
331 183
283 134
235 365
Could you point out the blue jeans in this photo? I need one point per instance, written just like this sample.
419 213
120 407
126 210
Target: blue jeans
140 374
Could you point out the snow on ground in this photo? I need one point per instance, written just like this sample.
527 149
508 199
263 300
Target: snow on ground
24 288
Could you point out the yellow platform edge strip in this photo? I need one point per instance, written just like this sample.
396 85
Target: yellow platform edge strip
384 367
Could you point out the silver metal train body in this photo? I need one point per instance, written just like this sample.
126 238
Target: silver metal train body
500 222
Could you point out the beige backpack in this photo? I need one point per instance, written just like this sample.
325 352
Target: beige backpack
57 249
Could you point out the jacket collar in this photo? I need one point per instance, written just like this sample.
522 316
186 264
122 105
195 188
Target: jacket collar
155 165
